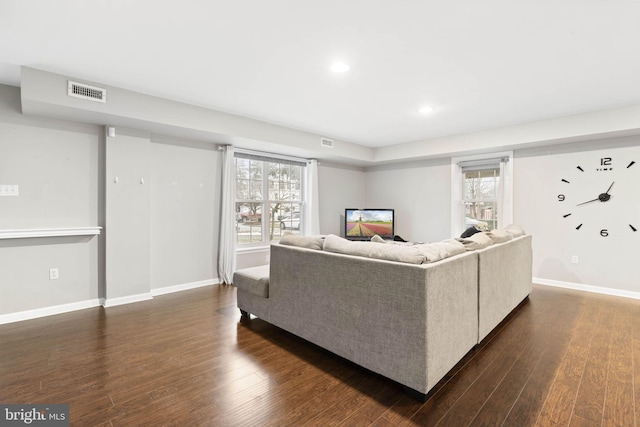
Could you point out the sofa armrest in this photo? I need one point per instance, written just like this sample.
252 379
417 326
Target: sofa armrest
504 280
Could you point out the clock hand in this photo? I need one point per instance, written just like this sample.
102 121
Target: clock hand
603 197
584 203
610 187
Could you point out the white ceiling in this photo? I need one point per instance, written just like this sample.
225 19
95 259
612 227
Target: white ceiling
481 64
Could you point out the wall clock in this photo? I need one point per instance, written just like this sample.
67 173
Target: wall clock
599 196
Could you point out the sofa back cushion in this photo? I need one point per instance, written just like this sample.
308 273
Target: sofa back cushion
499 236
515 230
310 242
407 254
440 250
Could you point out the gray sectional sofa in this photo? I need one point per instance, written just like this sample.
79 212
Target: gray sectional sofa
406 319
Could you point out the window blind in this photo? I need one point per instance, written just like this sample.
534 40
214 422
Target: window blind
484 164
267 157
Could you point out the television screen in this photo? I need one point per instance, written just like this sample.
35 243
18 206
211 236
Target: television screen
362 224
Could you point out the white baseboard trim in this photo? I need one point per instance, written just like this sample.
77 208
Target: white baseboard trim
48 311
112 302
184 287
587 288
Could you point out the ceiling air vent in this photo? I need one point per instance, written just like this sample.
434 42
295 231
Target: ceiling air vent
326 143
91 93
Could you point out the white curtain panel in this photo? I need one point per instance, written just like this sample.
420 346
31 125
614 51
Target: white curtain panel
505 194
227 243
311 224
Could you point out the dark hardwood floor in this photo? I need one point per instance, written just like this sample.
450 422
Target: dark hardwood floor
562 358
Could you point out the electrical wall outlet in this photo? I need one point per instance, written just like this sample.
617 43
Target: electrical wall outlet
54 274
574 259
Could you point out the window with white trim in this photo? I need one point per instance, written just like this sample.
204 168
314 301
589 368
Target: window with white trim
482 192
269 197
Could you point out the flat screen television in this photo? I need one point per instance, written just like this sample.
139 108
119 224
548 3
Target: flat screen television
362 224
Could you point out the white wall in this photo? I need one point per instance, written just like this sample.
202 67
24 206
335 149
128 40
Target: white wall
420 193
185 189
60 167
57 166
24 273
604 262
339 188
127 231
421 196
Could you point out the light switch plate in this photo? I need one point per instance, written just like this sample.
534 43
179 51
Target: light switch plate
9 190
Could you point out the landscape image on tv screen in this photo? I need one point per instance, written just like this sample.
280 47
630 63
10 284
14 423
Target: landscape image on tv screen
365 223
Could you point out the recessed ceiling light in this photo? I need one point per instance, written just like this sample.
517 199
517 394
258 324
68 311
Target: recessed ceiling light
339 67
426 110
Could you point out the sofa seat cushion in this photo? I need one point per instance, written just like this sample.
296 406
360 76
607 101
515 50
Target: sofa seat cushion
254 280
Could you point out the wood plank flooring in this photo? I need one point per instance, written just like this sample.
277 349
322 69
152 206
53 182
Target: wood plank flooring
562 358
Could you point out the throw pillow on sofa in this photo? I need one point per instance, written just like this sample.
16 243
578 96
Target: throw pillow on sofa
377 239
469 232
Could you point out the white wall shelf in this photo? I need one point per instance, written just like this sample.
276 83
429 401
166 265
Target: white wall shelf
49 232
